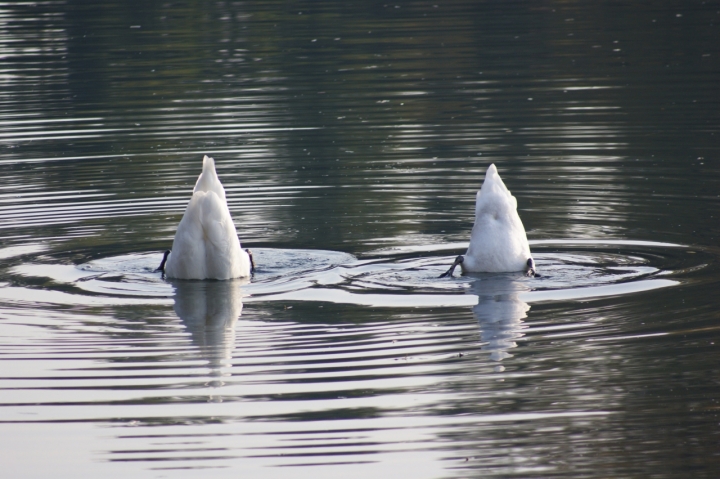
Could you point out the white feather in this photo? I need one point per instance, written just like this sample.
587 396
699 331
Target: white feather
498 242
206 245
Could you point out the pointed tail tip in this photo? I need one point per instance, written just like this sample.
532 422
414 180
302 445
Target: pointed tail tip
208 162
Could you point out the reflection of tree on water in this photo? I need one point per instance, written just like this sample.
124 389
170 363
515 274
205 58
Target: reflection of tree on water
500 312
209 310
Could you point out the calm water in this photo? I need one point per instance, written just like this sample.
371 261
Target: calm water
351 139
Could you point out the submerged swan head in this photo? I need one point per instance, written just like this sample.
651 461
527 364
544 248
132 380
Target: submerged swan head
498 242
206 245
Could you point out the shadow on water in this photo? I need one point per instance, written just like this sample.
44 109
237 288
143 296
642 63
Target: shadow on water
209 310
500 313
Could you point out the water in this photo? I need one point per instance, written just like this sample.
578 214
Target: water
351 139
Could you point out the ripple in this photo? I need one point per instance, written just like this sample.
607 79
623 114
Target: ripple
133 275
572 271
395 280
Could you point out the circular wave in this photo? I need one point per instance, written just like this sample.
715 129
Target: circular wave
569 270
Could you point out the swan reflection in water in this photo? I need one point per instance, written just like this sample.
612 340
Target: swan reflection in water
209 310
500 312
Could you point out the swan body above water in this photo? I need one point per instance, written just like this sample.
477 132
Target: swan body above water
498 242
206 244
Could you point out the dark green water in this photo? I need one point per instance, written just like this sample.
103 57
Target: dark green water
351 139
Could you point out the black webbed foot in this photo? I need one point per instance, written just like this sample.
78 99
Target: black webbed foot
161 268
530 269
457 261
252 262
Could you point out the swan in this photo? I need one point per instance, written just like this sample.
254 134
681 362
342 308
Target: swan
498 243
206 245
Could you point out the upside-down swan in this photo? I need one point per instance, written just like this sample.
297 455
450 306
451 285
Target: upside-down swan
206 245
498 242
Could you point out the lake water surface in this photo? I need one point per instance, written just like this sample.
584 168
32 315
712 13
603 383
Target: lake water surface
351 139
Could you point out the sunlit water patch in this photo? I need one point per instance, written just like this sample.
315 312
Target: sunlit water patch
251 372
397 279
